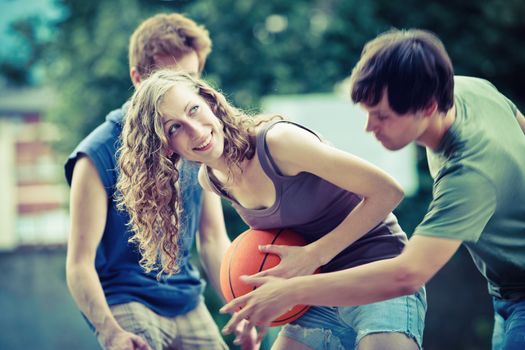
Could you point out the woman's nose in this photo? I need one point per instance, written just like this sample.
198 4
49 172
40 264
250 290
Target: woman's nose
195 128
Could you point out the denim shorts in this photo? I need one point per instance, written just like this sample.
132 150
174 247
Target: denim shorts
331 328
509 324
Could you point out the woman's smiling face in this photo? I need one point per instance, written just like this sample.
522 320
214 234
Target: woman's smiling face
193 130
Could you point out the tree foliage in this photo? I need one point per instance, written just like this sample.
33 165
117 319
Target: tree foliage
272 47
17 69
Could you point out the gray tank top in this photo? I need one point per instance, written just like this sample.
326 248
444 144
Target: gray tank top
313 207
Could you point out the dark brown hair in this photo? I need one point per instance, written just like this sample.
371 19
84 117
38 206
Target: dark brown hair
412 66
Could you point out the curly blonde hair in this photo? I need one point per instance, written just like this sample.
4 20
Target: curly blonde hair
147 183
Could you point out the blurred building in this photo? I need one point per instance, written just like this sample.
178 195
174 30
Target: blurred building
33 209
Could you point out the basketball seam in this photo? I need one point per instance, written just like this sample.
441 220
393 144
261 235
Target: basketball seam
230 263
261 267
266 254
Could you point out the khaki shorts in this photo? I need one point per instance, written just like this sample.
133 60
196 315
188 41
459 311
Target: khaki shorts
193 330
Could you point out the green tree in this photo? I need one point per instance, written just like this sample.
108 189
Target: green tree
483 38
17 69
88 65
272 47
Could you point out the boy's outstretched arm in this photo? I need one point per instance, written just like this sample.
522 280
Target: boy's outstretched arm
405 274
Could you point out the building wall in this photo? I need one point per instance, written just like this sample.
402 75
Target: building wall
8 212
34 206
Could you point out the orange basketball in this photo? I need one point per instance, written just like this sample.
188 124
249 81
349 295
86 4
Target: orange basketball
244 258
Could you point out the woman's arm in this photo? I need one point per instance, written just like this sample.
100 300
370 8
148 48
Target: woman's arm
296 150
212 241
212 244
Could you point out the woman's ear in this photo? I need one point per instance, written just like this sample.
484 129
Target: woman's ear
168 152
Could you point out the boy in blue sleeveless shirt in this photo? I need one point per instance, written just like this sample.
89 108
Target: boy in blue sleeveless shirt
127 307
475 146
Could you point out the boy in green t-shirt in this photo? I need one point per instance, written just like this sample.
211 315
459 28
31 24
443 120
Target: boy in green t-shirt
475 144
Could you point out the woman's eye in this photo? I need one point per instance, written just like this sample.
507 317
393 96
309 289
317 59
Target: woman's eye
194 110
173 129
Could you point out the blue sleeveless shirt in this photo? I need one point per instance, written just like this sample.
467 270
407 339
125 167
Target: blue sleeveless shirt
117 261
313 207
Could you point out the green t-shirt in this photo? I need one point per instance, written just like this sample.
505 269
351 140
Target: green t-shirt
479 186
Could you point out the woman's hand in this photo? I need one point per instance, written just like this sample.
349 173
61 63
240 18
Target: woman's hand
246 336
260 307
295 261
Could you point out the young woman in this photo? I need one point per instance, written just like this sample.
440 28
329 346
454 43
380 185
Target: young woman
276 174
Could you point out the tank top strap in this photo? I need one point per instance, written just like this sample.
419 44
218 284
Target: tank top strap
265 158
215 185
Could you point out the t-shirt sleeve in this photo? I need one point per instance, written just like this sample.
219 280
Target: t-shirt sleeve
506 100
101 151
464 201
512 106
